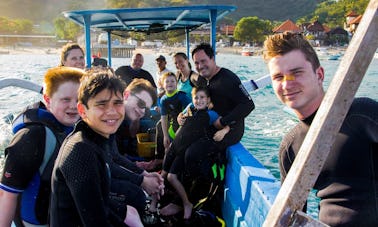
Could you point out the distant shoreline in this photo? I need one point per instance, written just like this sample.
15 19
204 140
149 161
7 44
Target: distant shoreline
53 50
164 51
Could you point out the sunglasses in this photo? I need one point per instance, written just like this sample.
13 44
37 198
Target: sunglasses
140 103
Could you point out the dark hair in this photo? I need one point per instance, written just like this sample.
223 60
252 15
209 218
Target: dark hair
100 61
96 80
183 55
195 90
206 48
280 44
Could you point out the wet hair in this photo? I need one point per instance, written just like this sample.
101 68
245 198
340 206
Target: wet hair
183 55
54 77
66 51
280 44
95 81
206 48
205 90
138 85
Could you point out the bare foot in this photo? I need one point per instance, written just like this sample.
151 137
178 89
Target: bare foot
188 210
170 209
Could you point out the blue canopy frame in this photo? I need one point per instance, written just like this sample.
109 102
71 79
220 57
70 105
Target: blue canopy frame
148 20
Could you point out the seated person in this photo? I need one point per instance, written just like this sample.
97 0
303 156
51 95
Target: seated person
81 174
130 72
39 132
195 125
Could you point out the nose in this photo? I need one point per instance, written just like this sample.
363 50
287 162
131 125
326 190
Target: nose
286 81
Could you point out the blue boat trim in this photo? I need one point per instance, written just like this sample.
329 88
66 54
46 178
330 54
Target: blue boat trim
250 189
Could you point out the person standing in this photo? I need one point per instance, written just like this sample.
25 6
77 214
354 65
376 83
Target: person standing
347 184
161 64
129 72
85 159
29 158
72 55
186 77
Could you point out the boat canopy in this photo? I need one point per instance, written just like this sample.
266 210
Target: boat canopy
148 20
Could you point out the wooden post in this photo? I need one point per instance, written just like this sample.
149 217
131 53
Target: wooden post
321 135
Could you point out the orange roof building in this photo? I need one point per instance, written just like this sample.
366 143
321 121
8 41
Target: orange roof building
288 25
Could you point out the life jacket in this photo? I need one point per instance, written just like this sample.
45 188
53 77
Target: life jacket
34 202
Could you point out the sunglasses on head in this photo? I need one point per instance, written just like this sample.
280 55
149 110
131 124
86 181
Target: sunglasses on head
140 103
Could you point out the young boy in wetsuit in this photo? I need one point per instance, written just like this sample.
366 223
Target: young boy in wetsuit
85 158
171 104
194 126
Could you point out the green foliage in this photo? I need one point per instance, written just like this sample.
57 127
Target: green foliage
16 26
252 29
333 13
66 29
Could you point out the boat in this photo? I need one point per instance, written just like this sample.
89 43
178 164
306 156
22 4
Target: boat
251 192
247 51
252 196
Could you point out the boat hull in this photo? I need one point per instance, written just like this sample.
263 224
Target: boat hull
250 189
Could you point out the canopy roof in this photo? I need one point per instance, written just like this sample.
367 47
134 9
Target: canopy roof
149 20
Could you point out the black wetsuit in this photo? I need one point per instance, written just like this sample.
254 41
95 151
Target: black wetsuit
126 182
233 103
348 182
127 74
81 181
32 178
194 128
170 106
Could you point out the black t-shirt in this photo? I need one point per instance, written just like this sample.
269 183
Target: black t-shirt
127 74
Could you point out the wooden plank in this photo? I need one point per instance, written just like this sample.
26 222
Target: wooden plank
321 135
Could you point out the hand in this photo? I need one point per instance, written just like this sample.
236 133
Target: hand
153 184
181 119
219 135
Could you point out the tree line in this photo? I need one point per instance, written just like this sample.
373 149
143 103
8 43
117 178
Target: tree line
248 29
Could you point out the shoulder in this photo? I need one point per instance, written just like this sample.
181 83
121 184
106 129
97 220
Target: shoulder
289 138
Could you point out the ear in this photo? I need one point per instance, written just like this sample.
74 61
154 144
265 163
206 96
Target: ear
82 110
320 74
126 94
47 100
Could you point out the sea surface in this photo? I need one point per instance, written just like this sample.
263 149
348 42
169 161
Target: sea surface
265 126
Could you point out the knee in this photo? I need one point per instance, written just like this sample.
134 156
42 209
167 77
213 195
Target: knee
171 177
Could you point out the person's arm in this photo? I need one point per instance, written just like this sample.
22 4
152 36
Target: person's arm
82 171
219 135
164 126
27 144
8 204
238 95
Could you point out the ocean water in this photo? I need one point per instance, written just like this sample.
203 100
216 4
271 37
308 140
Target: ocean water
265 126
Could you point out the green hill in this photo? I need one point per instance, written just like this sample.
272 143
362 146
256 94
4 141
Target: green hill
47 10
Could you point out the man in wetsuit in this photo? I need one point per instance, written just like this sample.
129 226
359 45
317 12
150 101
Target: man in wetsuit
29 158
231 101
129 72
347 184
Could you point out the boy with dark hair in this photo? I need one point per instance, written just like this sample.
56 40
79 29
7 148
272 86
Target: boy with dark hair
85 159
